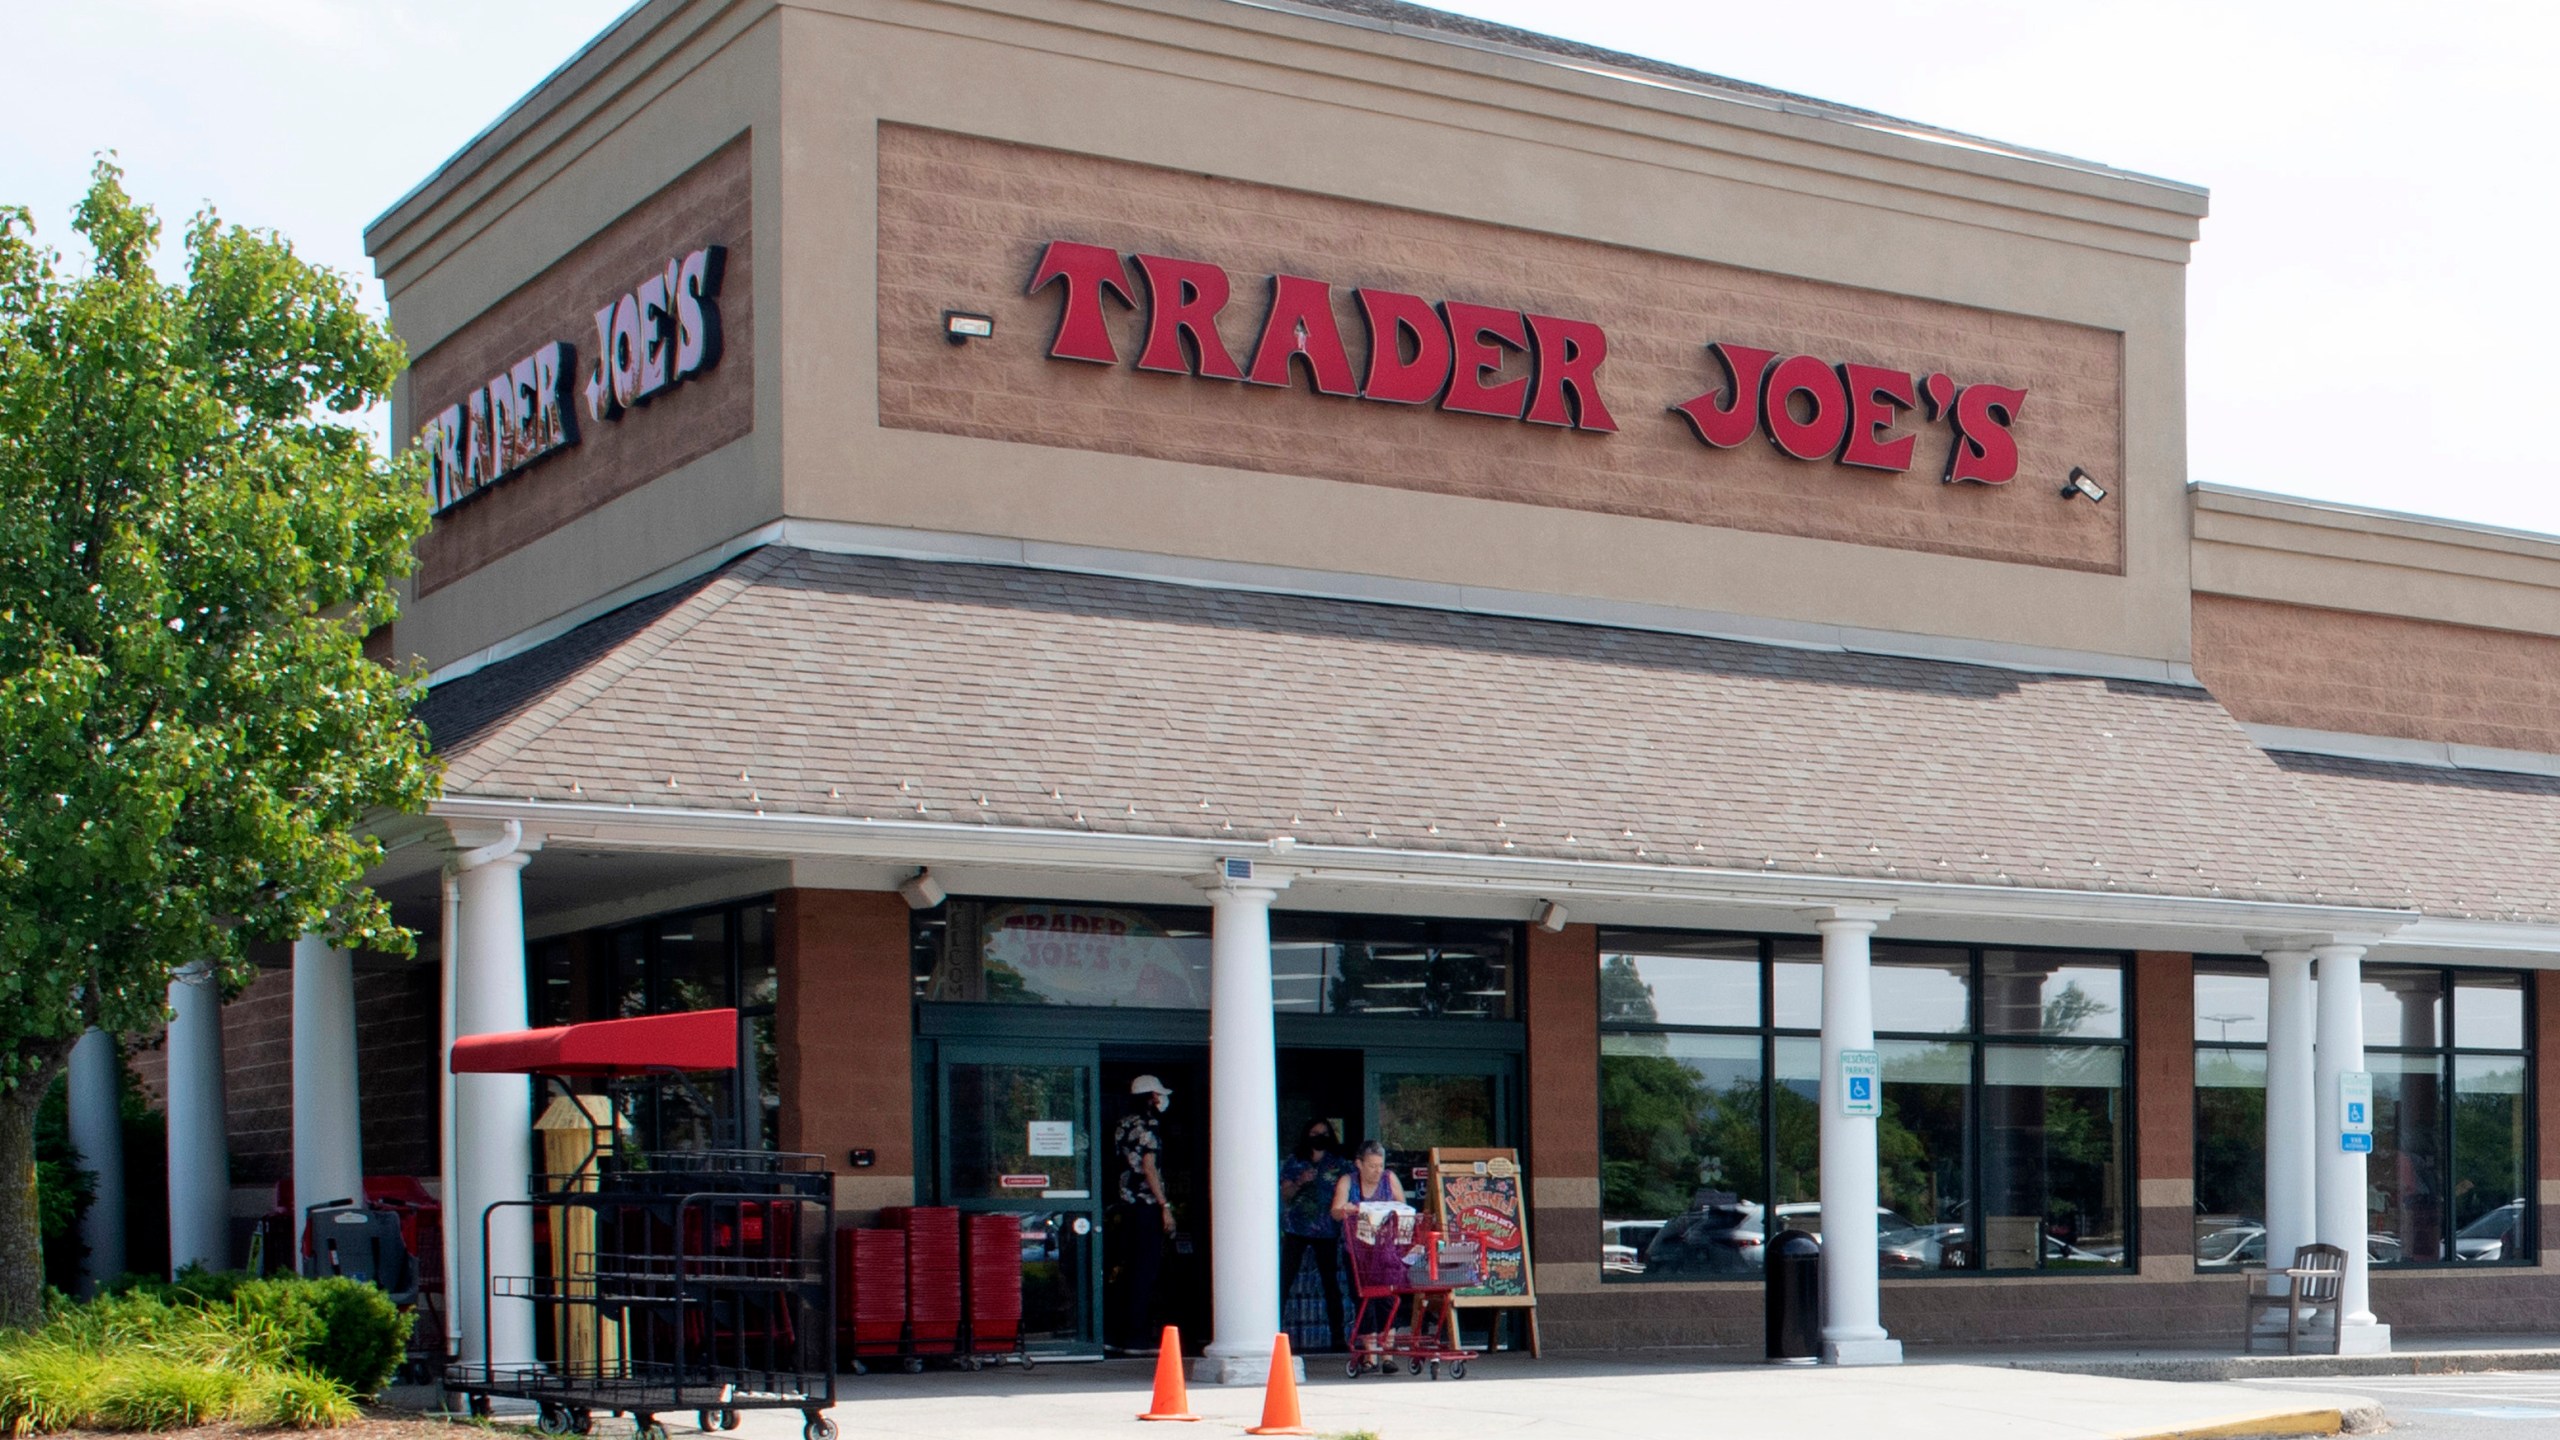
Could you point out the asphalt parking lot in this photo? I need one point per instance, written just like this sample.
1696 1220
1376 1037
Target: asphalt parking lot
2453 1407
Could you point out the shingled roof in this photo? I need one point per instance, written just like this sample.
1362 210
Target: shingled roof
2464 844
794 681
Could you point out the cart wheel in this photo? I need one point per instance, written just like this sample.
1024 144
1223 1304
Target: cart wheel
582 1421
1026 1362
1413 1366
914 1365
729 1419
1435 1370
550 1419
706 1419
1457 1369
479 1407
818 1428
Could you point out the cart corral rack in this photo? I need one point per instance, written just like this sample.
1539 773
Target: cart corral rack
698 1281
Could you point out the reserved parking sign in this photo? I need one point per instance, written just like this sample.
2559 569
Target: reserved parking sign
1861 1083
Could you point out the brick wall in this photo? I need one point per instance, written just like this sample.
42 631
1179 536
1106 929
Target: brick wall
708 205
2278 664
257 1064
963 222
1560 992
845 1047
2164 1081
397 1036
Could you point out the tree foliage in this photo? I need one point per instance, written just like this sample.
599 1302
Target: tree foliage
194 542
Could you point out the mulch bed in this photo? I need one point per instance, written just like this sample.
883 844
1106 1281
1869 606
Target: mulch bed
377 1424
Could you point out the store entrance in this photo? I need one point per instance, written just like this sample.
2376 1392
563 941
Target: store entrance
1029 1127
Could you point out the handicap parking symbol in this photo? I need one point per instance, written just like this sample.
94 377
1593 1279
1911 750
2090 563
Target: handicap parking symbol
1858 1087
2355 1113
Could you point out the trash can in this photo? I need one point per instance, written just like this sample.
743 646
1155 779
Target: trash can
1791 1265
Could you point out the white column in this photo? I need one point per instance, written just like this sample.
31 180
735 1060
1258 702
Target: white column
1852 1309
2343 1212
2292 1122
97 1132
492 1114
199 1148
328 1139
1244 1132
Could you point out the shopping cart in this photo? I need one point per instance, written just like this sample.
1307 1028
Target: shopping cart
1403 1272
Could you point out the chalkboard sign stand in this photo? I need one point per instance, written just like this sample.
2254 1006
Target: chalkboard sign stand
1483 1195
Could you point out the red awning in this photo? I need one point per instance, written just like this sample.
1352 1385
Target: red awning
650 1044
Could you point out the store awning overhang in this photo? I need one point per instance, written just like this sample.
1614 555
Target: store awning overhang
602 1049
1775 895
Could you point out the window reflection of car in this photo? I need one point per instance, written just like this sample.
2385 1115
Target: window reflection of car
1900 1244
2245 1245
1715 1237
2498 1235
1622 1244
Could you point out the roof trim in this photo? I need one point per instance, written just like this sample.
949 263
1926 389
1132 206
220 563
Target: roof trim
759 833
2393 750
831 537
2340 514
1664 75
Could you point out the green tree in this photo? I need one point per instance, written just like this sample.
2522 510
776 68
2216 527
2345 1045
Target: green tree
193 544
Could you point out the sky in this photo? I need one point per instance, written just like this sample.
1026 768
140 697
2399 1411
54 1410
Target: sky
2366 309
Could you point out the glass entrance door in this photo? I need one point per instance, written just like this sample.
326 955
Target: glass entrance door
1419 1099
1018 1128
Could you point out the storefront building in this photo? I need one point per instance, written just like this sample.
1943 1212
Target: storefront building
1380 568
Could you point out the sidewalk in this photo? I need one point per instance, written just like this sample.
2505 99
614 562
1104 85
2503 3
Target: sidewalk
1599 1399
2410 1355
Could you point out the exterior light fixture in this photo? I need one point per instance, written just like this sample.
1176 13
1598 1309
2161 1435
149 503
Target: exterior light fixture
921 891
1551 917
960 327
2081 483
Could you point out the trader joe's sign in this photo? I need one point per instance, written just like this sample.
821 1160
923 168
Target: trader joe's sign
1453 356
659 333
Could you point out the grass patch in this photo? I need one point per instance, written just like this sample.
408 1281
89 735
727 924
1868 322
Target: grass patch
132 1362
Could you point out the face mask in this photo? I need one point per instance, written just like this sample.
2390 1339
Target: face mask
1163 1103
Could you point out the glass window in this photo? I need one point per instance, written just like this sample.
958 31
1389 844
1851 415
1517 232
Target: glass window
2403 1009
1795 984
2231 1003
2488 1011
2404 1174
2490 1181
2231 1148
690 958
2053 1158
2448 1178
1680 1141
1703 1157
1682 980
1921 1144
698 960
1922 989
1037 952
2030 992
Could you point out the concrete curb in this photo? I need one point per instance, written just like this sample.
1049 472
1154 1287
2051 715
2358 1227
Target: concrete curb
2357 1417
2288 1367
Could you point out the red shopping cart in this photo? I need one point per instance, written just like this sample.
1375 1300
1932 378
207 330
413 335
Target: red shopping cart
1403 1273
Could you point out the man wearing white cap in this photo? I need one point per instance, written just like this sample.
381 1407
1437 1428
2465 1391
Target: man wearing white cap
1146 1215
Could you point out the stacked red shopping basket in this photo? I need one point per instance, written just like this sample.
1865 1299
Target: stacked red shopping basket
933 1276
995 1284
871 1311
906 1291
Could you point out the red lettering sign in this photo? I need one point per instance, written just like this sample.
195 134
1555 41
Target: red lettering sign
1478 359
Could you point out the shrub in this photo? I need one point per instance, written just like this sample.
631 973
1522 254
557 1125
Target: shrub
139 1361
293 1400
150 1391
362 1334
343 1329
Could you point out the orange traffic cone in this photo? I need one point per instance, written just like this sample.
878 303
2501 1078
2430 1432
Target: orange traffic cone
1280 1394
1171 1401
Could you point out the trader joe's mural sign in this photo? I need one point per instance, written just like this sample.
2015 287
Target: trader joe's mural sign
1453 355
656 335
